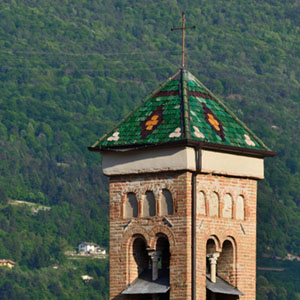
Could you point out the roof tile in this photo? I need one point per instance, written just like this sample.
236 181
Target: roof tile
183 106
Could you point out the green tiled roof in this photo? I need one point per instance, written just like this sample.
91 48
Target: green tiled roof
182 110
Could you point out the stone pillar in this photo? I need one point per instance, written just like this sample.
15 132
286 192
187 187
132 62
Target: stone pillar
213 266
154 255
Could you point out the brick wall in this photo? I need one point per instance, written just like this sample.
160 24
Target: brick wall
240 267
241 234
124 231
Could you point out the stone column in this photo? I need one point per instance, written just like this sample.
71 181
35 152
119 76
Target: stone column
154 255
213 266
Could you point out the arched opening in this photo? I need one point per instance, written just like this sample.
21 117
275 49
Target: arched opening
240 208
214 205
149 205
140 255
211 248
149 270
227 209
220 271
163 263
166 207
131 206
226 262
163 250
201 203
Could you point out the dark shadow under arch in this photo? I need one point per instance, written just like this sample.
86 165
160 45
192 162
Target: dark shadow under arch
163 250
140 254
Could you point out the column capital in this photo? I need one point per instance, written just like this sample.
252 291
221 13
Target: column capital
213 257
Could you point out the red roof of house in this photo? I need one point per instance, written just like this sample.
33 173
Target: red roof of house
7 261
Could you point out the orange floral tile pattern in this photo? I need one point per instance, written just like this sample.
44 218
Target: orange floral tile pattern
213 121
152 122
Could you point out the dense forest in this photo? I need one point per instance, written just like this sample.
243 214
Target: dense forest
70 70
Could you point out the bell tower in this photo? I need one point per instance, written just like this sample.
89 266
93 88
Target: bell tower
183 174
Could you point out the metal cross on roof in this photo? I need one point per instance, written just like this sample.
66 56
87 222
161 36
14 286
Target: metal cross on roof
183 28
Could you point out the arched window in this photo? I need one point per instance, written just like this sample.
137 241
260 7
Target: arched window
161 259
211 248
225 268
227 209
240 208
149 204
140 255
220 265
201 203
166 207
214 205
163 250
131 206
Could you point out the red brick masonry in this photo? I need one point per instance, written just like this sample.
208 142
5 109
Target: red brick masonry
239 268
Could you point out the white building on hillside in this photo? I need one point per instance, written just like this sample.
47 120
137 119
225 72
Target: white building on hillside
90 248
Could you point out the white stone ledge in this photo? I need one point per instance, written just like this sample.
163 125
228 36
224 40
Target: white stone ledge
231 164
148 161
181 158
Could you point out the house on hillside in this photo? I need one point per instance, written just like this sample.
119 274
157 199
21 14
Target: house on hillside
90 248
86 278
7 263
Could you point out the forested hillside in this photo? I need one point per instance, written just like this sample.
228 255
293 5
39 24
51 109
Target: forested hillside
70 70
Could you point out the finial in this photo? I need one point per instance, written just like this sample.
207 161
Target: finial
183 28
